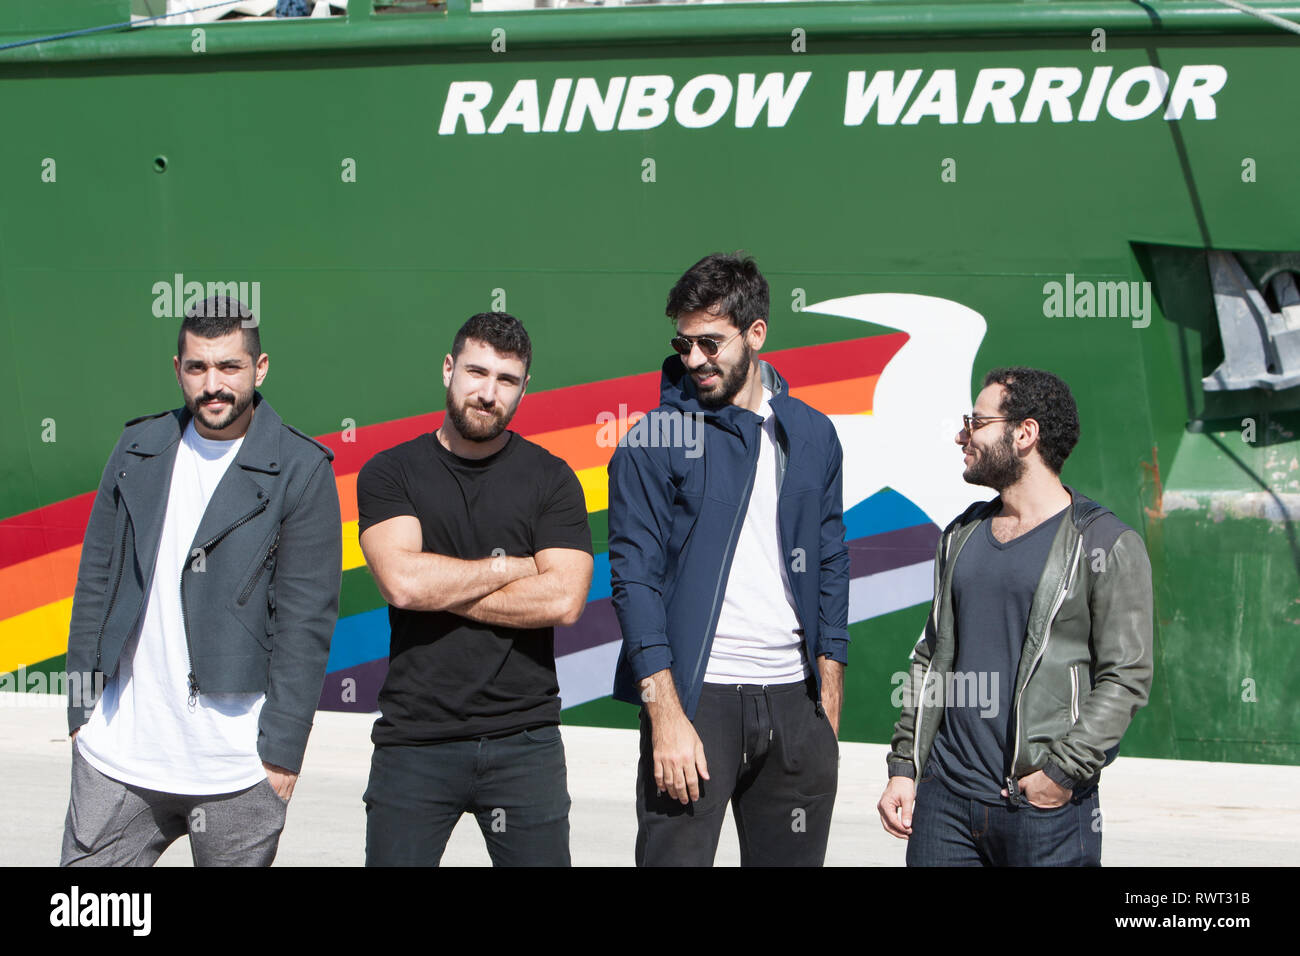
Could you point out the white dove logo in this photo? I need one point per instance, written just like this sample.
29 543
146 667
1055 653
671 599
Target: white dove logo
906 443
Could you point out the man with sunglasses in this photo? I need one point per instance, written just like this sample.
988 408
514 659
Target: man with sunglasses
730 581
1036 655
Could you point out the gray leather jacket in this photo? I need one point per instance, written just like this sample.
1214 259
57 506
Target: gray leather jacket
259 598
1085 667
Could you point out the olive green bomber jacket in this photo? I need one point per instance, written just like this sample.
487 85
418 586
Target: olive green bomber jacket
1086 664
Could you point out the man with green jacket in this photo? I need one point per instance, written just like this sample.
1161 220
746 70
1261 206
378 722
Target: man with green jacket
1036 655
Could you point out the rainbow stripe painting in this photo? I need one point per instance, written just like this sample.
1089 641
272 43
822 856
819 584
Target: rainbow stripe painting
891 540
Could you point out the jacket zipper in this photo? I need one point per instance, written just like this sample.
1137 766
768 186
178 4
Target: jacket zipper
1047 636
924 679
920 703
185 616
263 567
121 561
783 460
934 618
731 541
1074 693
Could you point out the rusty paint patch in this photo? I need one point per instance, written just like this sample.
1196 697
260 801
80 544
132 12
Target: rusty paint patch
1153 469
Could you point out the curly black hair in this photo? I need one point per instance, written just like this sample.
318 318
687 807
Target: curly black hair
1044 397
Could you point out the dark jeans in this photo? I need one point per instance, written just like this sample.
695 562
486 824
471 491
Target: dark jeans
951 830
515 786
771 756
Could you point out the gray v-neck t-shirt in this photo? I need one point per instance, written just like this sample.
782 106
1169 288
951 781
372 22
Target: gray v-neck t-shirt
993 589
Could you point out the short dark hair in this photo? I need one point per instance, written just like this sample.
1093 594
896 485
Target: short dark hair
217 316
501 330
1044 397
729 285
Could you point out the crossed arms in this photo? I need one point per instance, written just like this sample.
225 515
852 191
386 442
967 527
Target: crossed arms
548 589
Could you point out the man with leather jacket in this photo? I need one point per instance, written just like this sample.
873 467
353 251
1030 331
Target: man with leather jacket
1036 655
206 598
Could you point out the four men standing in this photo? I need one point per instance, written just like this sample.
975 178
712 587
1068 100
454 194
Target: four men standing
730 579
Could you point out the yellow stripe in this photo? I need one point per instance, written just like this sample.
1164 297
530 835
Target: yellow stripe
42 632
352 556
35 635
595 487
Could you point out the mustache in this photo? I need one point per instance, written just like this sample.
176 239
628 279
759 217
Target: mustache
219 397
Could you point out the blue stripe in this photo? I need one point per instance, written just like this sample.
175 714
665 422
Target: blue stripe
600 583
886 510
359 639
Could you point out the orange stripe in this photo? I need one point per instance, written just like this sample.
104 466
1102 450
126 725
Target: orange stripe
586 446
53 577
850 396
347 485
49 578
36 581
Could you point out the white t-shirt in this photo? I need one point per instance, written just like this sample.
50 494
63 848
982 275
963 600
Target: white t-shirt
757 639
143 730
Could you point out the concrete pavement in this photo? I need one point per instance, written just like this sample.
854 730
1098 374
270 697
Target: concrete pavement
1155 812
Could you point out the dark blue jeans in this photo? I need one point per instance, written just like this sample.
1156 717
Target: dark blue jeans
951 830
516 787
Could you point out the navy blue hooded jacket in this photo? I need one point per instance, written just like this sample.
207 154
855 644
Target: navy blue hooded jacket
679 487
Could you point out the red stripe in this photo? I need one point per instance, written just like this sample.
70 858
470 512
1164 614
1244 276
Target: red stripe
579 404
56 526
63 523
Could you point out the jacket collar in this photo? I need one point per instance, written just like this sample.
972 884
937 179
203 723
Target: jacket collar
259 452
677 390
1081 513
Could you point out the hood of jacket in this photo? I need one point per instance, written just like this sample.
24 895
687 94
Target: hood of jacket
677 390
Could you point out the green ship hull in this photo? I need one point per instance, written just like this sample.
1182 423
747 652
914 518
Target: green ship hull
930 189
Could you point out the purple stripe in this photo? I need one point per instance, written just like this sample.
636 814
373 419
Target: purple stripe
871 555
366 679
598 625
892 549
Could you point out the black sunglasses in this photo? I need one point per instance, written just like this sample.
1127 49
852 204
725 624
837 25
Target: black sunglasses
682 344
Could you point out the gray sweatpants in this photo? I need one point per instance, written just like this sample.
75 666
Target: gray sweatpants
110 823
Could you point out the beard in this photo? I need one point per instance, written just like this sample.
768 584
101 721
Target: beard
473 427
998 467
728 386
236 405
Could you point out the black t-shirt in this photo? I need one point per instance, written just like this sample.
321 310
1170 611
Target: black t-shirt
993 587
451 678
